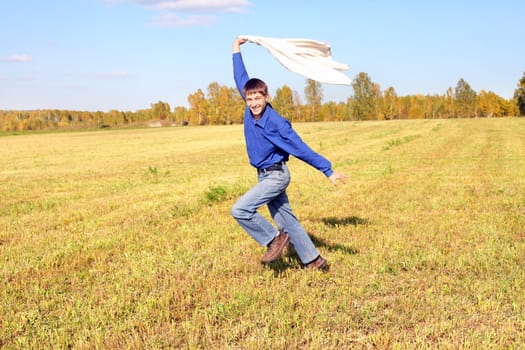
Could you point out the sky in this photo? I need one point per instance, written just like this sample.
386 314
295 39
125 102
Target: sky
99 55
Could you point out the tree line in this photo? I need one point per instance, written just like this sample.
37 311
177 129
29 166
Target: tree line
223 105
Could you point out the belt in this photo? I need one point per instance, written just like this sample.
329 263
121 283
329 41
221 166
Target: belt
273 167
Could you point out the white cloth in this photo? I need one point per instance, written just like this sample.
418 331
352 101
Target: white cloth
310 58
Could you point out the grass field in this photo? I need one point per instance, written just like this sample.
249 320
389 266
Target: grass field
122 239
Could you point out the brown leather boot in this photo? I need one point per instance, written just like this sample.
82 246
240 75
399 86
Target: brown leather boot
276 247
319 263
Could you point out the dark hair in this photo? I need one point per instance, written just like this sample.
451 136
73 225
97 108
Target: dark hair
254 86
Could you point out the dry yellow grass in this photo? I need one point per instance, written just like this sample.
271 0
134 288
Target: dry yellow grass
123 239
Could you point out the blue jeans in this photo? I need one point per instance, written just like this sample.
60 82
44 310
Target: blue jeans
271 190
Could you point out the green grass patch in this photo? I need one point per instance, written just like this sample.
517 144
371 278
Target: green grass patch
400 141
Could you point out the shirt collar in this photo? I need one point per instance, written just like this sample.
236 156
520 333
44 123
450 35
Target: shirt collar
264 118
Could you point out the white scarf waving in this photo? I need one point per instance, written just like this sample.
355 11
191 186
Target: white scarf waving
310 58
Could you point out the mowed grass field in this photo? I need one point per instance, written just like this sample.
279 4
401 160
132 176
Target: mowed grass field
122 239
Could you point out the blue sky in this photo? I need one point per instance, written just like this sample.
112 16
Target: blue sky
127 54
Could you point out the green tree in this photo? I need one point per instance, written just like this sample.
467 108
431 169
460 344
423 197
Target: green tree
519 95
365 101
465 100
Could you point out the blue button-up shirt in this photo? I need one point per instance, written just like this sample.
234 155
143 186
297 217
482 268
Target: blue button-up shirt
271 139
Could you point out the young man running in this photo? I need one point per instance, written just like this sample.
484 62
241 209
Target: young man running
270 140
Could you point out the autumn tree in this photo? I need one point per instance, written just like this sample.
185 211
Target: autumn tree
313 92
449 104
435 107
237 107
180 115
197 114
223 104
416 109
213 99
390 104
284 102
161 110
215 114
511 108
232 105
490 104
465 100
519 95
332 111
298 106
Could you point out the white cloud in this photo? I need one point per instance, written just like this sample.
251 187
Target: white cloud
18 58
195 5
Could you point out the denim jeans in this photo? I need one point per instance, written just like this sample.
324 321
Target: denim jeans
271 190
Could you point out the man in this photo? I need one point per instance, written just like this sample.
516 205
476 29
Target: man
270 140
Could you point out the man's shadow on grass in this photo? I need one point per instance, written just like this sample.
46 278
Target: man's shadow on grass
291 259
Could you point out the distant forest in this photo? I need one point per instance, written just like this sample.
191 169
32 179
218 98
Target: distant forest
223 105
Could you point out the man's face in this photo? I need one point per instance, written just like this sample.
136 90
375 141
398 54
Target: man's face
256 103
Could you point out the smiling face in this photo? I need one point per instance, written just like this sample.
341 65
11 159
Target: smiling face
256 102
256 92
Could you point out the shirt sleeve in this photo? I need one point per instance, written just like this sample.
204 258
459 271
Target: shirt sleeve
239 73
289 141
